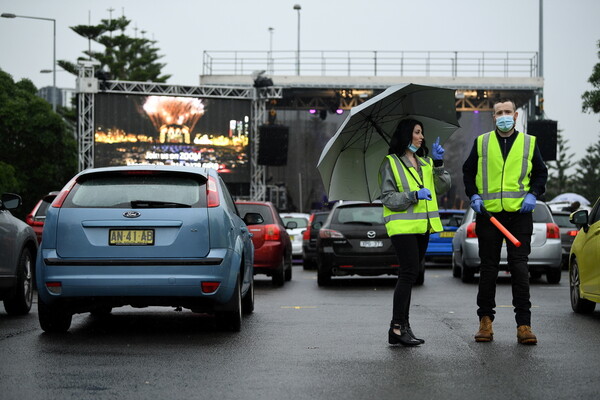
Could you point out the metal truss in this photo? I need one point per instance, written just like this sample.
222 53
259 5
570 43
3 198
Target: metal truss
86 87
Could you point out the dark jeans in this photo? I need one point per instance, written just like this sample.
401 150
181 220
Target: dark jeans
410 250
490 243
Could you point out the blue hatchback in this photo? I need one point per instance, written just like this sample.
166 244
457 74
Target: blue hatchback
440 243
144 235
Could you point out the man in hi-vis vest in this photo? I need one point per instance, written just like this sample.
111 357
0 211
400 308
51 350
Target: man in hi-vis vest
504 173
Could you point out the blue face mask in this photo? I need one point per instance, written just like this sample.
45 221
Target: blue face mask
505 123
413 148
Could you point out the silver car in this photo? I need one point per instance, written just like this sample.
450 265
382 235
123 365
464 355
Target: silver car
546 249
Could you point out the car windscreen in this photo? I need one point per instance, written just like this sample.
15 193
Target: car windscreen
138 191
363 215
301 222
261 209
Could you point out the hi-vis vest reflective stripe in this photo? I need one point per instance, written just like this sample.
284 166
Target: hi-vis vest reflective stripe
420 217
501 183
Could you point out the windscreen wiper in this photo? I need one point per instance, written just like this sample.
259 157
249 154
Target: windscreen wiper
157 204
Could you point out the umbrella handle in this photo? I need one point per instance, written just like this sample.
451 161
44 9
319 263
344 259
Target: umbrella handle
501 228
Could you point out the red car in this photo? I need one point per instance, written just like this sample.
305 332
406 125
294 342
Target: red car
37 216
272 245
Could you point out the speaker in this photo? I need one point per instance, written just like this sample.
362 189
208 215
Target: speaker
273 145
546 132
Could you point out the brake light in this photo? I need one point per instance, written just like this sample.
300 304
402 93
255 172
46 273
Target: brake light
330 234
552 231
210 287
32 222
306 233
60 199
212 192
471 230
572 233
272 232
54 287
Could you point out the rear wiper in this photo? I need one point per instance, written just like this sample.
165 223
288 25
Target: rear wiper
157 204
358 223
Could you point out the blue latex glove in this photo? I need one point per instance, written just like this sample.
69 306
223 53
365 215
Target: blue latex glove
424 194
437 151
528 203
476 203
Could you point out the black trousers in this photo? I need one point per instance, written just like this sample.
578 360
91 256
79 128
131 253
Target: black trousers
410 250
490 243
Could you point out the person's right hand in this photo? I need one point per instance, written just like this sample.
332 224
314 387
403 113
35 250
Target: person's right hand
424 194
476 203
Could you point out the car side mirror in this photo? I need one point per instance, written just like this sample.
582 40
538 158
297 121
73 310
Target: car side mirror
580 219
10 201
253 219
291 225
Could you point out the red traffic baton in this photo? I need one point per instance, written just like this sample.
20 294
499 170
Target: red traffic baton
501 228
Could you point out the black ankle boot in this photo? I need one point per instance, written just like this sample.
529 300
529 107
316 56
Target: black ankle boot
412 335
405 339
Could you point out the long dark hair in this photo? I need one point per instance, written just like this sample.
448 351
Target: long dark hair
403 137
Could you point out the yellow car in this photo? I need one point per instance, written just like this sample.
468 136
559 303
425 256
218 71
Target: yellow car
584 260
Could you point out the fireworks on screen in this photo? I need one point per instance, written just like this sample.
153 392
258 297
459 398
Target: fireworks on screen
174 117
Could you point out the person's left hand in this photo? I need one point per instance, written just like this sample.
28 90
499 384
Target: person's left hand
528 203
437 151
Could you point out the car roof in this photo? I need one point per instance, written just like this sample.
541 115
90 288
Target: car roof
149 167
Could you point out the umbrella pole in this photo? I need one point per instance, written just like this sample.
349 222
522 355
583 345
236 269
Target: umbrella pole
377 128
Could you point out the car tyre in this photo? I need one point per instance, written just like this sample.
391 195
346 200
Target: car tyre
456 270
231 319
52 318
279 274
323 274
553 275
248 300
288 270
535 274
578 303
20 303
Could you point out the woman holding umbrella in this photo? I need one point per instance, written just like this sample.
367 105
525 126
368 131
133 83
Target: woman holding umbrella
410 182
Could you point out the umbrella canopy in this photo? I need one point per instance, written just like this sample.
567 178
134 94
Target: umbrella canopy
349 163
570 197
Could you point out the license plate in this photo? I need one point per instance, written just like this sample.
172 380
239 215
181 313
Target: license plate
131 237
292 238
371 243
447 234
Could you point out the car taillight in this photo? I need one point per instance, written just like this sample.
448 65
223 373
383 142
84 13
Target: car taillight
272 232
552 231
210 287
572 233
60 199
330 234
471 230
32 222
212 193
306 233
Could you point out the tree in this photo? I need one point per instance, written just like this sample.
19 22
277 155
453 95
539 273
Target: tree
559 180
38 150
124 58
591 98
587 173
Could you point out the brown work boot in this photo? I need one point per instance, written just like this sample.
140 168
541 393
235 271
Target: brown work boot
486 333
525 336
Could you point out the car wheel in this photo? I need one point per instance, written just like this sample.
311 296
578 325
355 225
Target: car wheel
421 276
231 319
20 303
323 274
52 318
467 275
535 274
578 304
553 275
248 300
279 273
288 270
455 267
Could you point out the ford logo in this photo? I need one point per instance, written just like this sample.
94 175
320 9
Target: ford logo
371 234
131 214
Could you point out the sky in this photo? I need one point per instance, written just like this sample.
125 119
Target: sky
184 29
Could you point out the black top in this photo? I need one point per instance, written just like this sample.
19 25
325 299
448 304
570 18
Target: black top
539 172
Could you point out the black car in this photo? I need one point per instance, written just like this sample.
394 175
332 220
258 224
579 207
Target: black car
309 239
354 241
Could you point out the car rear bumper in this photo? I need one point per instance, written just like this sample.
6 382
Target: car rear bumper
341 265
268 256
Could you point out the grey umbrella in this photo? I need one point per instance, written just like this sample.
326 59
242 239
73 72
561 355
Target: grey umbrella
349 163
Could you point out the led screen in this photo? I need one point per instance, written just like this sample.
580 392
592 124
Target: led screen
134 129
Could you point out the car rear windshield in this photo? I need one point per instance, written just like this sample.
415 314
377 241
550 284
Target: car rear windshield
302 222
451 219
138 191
261 209
541 213
365 215
562 220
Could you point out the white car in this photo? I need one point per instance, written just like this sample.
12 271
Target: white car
301 220
546 248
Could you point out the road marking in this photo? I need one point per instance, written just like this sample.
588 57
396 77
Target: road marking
298 307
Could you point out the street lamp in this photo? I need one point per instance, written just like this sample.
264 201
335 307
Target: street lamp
298 8
9 15
271 29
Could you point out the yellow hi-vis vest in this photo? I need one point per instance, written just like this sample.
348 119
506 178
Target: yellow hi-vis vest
503 184
421 217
